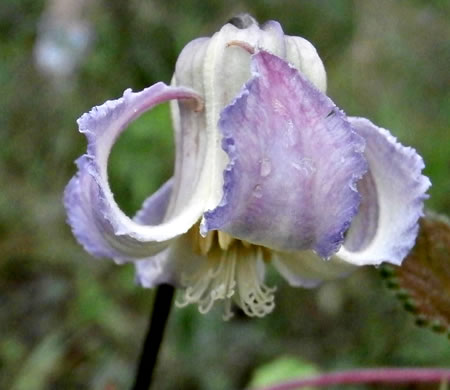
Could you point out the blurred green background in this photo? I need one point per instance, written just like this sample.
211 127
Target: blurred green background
69 321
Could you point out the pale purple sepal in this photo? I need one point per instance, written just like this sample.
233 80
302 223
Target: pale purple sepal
80 198
92 229
153 271
96 220
294 164
393 192
154 207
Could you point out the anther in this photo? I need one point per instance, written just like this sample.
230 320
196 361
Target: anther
225 240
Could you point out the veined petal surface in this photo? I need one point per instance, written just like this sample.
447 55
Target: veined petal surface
218 71
393 192
192 175
96 220
303 55
218 67
294 164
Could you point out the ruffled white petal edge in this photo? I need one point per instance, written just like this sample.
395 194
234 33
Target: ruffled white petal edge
385 228
96 219
393 192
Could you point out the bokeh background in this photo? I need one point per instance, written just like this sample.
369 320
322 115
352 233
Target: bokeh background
68 321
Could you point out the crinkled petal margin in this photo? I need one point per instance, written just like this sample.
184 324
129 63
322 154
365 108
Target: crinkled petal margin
96 220
393 192
294 164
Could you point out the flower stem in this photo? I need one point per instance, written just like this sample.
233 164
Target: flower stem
158 320
376 375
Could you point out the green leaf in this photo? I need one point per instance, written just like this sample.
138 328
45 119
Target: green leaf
422 283
41 363
282 369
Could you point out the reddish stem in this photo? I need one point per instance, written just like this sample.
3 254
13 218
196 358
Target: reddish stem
375 375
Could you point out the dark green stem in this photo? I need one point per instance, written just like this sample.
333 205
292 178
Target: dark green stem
158 320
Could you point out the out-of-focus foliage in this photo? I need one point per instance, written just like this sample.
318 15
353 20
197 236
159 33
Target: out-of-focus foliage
71 322
281 370
423 280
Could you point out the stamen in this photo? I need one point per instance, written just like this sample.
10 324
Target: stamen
246 244
215 281
201 245
266 254
233 271
255 298
225 240
205 243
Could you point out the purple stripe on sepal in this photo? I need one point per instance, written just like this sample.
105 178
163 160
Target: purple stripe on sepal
294 164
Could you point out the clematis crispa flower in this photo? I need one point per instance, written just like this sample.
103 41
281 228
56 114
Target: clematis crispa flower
268 171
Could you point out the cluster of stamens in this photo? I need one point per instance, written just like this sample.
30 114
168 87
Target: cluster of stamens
232 271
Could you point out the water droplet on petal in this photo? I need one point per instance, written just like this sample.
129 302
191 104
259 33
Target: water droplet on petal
290 134
265 167
257 191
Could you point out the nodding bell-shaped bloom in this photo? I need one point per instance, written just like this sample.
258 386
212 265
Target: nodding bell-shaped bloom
268 171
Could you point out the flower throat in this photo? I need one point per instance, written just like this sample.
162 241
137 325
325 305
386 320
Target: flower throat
233 270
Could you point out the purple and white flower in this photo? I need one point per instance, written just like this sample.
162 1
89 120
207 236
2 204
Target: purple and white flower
268 171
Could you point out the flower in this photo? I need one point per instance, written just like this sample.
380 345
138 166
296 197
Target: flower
268 171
